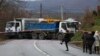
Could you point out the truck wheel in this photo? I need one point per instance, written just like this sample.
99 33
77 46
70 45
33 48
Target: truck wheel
34 36
20 36
41 36
60 36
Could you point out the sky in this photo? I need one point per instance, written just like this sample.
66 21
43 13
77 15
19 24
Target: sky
29 0
68 4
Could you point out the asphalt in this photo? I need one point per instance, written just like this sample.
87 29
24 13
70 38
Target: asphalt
38 48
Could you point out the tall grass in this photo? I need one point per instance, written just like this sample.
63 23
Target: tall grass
77 37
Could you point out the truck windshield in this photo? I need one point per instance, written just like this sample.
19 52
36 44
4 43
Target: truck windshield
71 25
64 26
10 24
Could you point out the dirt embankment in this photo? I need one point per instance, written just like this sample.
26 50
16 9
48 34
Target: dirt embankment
77 43
2 37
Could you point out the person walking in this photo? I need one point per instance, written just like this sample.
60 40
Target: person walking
66 39
96 42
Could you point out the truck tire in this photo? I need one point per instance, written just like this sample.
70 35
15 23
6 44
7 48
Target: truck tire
20 36
60 36
41 36
34 36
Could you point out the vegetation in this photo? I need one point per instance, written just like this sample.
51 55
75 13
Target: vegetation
90 22
9 9
77 37
88 26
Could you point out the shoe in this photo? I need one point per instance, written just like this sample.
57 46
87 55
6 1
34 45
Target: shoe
67 50
90 53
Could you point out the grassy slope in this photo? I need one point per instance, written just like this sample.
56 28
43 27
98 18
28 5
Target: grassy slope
78 35
97 23
77 38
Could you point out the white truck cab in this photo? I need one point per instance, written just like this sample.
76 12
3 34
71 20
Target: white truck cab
67 26
13 26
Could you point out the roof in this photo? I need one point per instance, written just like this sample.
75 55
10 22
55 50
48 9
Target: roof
71 20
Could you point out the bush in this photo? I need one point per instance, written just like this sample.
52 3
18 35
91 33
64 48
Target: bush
77 37
2 37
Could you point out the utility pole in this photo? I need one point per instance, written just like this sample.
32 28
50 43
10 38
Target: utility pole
98 7
41 10
99 2
62 13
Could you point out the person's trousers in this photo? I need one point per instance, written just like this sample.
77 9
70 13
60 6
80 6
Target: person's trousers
66 43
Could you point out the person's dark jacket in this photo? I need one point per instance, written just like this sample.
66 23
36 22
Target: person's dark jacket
91 39
84 36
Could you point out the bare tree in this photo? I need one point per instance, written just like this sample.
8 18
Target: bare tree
9 10
1 1
88 19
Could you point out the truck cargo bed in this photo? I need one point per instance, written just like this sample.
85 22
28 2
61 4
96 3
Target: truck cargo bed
41 26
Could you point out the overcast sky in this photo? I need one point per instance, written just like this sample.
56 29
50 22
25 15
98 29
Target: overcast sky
29 0
68 4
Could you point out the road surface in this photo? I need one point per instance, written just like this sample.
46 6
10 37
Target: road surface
38 48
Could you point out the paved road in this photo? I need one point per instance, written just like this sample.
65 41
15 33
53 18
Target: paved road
38 48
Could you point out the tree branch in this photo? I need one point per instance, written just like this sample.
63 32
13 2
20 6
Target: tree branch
1 1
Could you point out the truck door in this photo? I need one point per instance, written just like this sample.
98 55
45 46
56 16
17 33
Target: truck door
18 26
62 27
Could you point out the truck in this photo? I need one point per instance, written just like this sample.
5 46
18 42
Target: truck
40 28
